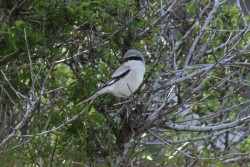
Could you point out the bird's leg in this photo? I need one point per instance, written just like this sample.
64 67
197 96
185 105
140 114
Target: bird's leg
131 100
132 95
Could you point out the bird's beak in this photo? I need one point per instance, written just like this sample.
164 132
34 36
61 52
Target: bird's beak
122 60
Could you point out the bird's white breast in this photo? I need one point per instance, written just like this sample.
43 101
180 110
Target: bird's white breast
131 82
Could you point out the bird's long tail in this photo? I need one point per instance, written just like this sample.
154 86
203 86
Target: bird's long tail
98 93
88 99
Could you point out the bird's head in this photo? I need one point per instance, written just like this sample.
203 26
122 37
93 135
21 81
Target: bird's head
133 55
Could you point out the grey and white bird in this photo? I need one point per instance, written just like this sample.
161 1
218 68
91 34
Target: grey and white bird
126 79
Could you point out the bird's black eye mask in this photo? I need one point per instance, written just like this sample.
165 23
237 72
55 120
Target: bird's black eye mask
130 58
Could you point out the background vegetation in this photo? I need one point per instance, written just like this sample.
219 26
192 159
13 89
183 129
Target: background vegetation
192 109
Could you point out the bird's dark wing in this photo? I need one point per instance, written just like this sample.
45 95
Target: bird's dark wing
116 78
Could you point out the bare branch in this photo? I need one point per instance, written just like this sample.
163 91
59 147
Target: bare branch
236 123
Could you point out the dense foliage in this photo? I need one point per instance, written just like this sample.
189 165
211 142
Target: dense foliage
192 109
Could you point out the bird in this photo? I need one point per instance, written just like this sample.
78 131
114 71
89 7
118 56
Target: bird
126 79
